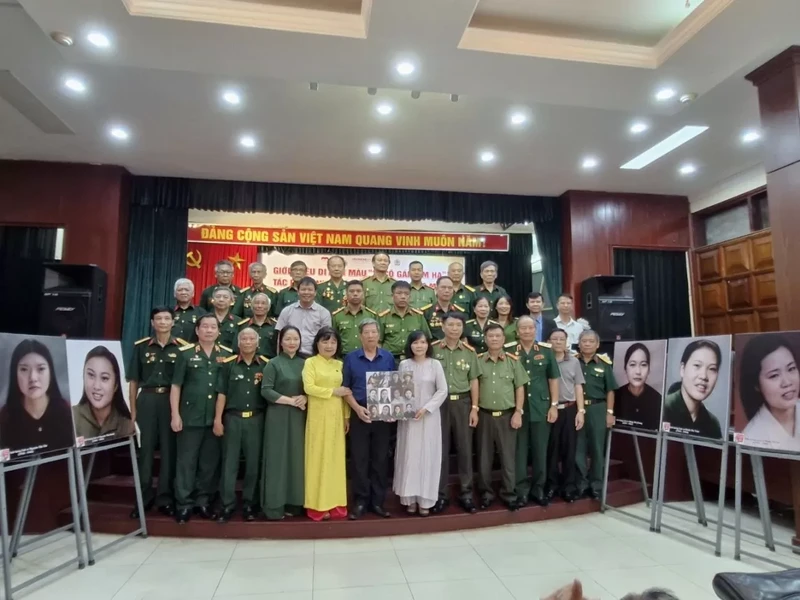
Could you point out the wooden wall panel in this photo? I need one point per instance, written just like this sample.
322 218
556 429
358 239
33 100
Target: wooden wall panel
709 264
712 298
737 257
764 292
739 293
715 325
762 254
768 320
743 323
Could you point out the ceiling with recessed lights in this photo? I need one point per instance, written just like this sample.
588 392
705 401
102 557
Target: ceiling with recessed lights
277 90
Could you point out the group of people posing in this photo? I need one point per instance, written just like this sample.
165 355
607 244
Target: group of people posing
209 388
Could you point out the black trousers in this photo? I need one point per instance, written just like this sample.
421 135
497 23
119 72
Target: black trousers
561 449
369 455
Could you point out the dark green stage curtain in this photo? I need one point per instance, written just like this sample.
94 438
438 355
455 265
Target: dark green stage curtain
661 291
513 267
156 258
340 201
548 239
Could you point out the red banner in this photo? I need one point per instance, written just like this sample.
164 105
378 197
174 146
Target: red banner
320 238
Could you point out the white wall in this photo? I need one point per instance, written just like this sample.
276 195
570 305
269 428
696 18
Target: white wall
738 184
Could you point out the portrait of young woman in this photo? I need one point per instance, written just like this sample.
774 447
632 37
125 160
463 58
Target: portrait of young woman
639 371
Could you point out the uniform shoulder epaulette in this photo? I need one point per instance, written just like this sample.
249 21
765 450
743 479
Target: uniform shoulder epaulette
186 347
482 354
471 289
391 279
604 358
426 307
243 290
383 313
141 341
337 311
229 358
416 310
467 346
492 321
181 341
243 321
366 278
271 289
458 308
264 358
435 342
225 348
271 321
512 355
472 321
368 309
544 344
510 345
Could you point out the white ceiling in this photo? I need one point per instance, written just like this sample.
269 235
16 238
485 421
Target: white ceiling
163 78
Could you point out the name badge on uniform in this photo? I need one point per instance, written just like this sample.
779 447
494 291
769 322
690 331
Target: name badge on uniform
538 357
240 376
171 355
390 326
599 370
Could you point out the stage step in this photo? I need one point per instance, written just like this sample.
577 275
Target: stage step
114 518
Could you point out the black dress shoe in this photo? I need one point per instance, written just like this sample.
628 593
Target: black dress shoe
225 515
182 516
168 510
522 502
440 506
568 497
147 507
469 506
205 512
540 500
357 512
512 506
248 513
594 495
380 511
549 495
485 503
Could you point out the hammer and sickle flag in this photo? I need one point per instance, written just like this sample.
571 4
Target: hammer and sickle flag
193 261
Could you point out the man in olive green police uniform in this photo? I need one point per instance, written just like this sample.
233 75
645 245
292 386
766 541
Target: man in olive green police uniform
460 364
499 413
243 305
378 286
192 399
223 271
332 293
421 294
488 288
185 314
239 421
434 313
463 295
228 325
598 398
289 295
150 373
347 319
262 324
541 402
400 320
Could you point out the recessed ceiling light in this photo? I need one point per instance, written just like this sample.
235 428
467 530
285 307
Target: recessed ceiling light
750 136
665 146
247 141
639 127
119 132
405 68
487 156
74 84
687 169
665 94
384 108
232 97
98 39
589 162
374 149
518 118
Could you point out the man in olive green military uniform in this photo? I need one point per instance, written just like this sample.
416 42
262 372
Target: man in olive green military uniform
541 402
434 313
499 413
262 324
421 294
192 399
150 374
239 421
185 314
400 320
223 271
243 305
460 364
347 319
378 286
289 295
332 293
488 288
598 393
463 295
228 325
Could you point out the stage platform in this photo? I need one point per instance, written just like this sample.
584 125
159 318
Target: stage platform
111 500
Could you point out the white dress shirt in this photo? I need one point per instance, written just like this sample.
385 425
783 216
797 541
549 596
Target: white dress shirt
573 329
764 431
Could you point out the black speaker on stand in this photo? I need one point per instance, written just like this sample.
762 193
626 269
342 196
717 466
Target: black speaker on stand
73 301
607 302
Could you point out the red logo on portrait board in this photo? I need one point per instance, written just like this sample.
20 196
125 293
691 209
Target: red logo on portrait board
738 438
665 427
5 455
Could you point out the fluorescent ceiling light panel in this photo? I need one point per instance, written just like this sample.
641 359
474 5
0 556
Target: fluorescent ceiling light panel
665 146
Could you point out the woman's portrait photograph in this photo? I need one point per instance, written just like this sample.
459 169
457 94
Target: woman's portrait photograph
98 390
35 414
766 390
698 386
639 369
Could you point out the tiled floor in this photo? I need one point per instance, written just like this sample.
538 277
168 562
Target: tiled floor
611 554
